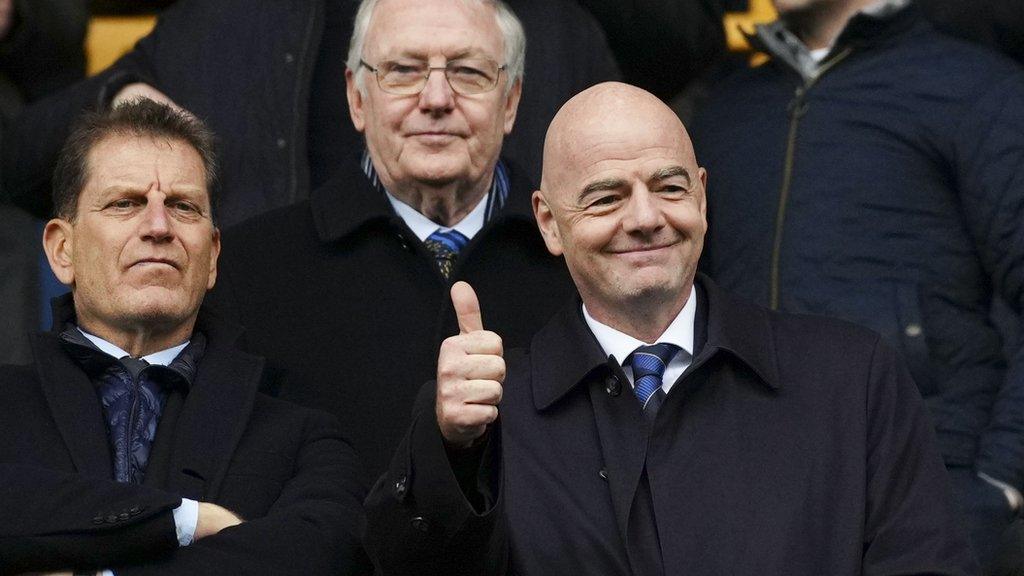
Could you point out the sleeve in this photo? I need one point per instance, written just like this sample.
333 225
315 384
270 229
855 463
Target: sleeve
990 176
52 521
419 520
314 527
911 524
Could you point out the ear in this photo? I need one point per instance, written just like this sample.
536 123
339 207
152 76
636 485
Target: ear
702 174
355 100
546 222
214 254
512 105
58 243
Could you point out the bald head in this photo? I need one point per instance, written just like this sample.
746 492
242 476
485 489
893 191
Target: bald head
600 117
622 199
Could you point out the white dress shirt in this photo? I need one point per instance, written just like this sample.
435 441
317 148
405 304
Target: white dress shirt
679 332
423 227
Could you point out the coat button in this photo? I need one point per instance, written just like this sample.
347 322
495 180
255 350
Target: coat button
134 510
98 520
612 386
282 143
913 330
603 473
420 523
112 519
401 487
124 516
289 58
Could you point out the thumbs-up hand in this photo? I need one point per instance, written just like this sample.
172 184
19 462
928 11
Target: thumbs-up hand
470 370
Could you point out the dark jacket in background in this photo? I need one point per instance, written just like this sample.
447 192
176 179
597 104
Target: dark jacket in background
900 207
283 469
247 69
42 53
661 45
995 23
338 293
791 446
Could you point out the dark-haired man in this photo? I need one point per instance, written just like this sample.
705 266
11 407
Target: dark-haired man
137 442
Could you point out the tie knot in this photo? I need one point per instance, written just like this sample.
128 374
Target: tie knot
133 365
649 363
445 246
652 359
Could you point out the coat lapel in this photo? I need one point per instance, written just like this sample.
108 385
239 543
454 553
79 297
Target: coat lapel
213 418
566 355
75 407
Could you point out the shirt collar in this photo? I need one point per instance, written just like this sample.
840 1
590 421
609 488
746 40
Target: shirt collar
161 358
423 227
621 345
489 207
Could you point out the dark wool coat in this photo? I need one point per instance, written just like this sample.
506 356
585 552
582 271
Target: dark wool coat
792 446
285 470
341 296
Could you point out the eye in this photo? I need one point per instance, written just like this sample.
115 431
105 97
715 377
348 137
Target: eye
122 204
603 201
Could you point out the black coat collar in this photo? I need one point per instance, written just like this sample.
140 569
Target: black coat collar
212 419
348 201
565 353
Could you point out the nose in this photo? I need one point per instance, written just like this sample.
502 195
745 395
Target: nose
156 224
644 215
437 96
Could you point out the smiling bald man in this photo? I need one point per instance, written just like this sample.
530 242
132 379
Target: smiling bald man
658 425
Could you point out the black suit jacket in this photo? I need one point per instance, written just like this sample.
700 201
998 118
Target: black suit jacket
791 446
285 470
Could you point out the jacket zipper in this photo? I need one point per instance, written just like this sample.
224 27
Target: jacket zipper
797 109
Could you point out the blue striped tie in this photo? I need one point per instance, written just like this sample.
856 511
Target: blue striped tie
445 246
649 363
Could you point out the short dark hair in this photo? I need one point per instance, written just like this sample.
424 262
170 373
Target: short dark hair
141 117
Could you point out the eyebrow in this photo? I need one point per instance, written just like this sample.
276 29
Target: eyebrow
601 185
671 172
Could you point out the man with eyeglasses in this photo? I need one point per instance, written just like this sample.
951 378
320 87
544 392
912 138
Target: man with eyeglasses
348 292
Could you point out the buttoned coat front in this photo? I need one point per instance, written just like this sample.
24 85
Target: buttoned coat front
791 446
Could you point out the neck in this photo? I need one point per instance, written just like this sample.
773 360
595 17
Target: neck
138 341
447 204
645 319
819 26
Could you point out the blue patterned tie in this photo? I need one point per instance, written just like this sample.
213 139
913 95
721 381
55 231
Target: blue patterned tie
445 246
132 402
649 363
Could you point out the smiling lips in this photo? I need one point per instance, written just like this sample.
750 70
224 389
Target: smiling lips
644 248
155 261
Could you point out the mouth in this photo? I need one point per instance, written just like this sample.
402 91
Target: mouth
644 248
432 136
154 262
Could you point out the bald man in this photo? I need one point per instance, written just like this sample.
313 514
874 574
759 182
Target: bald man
657 425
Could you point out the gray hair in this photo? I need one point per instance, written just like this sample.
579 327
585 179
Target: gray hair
511 31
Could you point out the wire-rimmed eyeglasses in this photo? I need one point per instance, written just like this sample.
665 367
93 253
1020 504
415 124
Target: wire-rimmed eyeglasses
466 76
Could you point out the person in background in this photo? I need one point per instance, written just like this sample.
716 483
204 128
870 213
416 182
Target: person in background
346 293
872 170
